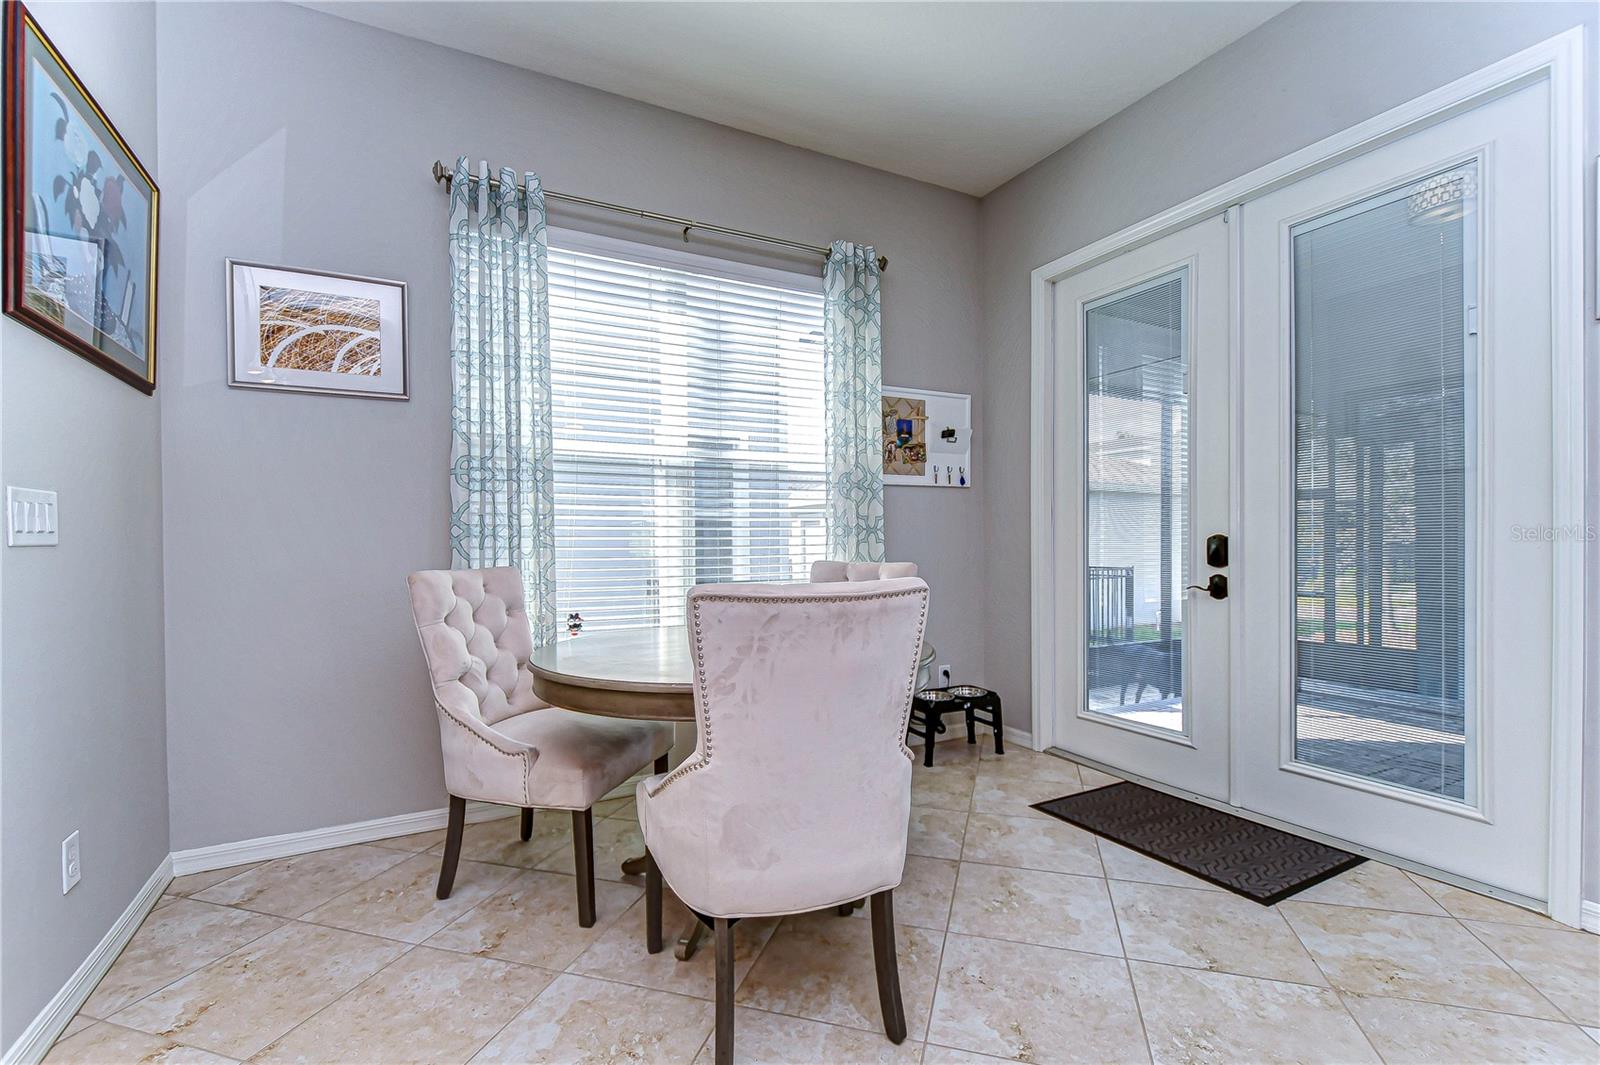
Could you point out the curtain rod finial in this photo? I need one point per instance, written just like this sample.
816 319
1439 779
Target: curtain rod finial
440 174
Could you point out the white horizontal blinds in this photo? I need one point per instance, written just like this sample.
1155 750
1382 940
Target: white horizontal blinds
1136 383
1383 392
688 435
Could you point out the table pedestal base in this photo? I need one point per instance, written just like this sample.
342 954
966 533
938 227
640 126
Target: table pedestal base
689 940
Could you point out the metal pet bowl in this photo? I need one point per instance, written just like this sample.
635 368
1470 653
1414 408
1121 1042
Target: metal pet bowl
966 691
935 695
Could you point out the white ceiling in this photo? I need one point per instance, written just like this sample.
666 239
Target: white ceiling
964 95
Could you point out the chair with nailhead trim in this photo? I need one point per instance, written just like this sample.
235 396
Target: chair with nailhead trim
762 820
501 742
828 571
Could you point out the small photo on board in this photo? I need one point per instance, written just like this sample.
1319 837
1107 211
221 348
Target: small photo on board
905 435
310 331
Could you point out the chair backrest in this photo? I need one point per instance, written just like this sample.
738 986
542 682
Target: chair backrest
802 693
827 571
476 639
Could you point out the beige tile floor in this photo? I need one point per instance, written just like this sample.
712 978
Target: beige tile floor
1020 938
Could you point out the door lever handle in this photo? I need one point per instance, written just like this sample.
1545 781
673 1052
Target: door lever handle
1216 586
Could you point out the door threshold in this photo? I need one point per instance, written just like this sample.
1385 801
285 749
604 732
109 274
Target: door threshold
1536 905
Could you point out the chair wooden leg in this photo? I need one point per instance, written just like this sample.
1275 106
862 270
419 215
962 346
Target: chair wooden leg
662 763
452 846
724 1036
583 861
652 904
527 823
888 966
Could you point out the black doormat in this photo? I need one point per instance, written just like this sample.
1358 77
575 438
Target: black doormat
1250 859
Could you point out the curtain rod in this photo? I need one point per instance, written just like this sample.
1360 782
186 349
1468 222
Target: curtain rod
442 176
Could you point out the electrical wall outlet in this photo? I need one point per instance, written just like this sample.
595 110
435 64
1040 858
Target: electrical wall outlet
942 671
71 867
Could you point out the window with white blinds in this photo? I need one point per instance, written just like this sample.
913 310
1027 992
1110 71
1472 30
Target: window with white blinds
688 423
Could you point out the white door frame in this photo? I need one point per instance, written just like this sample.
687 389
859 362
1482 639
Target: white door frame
1559 60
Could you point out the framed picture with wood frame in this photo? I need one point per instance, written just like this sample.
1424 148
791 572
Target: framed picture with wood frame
81 214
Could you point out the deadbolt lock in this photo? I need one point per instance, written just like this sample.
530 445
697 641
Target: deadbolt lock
1217 550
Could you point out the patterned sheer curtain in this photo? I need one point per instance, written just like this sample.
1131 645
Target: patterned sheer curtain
852 353
502 484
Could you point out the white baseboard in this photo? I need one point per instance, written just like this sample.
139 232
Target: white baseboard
265 848
35 1040
1020 738
1591 916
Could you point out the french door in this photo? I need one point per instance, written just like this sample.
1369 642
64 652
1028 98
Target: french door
1300 451
1143 408
1396 403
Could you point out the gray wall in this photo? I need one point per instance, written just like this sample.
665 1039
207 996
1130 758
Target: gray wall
296 698
83 741
1310 72
293 696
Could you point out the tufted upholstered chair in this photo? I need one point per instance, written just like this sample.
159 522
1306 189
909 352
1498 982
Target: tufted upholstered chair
827 571
501 742
762 820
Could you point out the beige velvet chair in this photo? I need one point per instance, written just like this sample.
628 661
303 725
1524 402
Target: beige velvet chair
502 743
765 818
827 571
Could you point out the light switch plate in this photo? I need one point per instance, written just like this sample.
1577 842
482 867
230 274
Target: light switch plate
31 518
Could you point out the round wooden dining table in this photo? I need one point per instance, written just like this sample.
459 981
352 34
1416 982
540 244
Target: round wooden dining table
644 674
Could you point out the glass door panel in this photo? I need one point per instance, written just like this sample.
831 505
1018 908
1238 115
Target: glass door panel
1383 387
1143 399
1396 630
1136 392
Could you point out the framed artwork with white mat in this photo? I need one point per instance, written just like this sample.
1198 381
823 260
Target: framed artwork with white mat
295 330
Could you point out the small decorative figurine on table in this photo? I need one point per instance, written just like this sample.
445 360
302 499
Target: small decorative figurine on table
574 623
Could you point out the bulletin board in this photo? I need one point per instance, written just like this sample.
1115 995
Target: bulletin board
927 438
